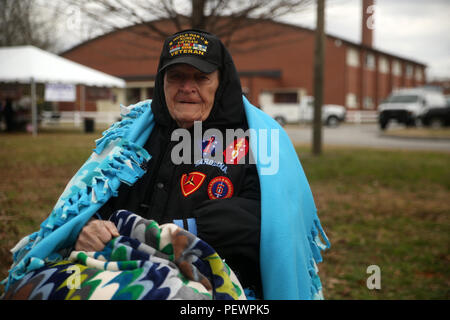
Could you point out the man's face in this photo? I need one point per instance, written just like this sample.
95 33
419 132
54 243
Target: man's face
189 93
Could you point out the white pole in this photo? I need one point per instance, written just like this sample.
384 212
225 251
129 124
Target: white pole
34 114
79 114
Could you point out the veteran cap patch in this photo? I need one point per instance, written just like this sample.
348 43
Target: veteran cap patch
197 48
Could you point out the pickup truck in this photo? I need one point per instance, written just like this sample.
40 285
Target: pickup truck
409 106
302 112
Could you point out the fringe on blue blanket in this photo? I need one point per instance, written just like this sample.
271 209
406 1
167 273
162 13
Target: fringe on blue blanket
316 244
118 158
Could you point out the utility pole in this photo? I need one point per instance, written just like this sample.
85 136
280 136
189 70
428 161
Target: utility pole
319 61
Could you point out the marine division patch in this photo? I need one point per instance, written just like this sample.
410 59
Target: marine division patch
190 183
220 188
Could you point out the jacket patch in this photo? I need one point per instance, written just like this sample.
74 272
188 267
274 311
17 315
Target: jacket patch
188 43
236 151
220 188
209 147
190 183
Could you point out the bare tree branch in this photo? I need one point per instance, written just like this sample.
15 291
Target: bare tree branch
221 17
22 23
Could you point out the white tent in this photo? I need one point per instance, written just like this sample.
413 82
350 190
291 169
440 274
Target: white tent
28 64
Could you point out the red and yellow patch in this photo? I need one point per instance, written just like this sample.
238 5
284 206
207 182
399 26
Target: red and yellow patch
190 183
236 151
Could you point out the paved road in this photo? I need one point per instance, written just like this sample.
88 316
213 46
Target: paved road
367 135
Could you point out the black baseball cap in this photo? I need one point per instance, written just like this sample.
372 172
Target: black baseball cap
198 48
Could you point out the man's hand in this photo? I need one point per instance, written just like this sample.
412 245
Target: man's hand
95 234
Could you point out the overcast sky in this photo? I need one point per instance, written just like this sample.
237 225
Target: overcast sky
415 29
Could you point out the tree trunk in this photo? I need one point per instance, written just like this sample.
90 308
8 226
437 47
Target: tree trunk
198 14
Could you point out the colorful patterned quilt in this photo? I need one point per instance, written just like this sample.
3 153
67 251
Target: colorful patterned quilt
146 262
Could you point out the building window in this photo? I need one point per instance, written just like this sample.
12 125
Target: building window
396 68
98 93
285 97
370 61
352 57
383 65
351 101
409 71
419 75
368 103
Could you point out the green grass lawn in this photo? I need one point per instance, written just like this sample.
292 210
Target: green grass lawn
385 208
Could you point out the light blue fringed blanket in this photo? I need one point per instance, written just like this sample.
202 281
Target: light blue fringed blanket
288 262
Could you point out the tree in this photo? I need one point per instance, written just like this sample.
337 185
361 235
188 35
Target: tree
221 17
22 23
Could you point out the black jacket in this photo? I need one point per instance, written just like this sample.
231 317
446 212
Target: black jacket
219 202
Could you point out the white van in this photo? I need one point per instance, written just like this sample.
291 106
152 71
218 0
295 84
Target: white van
409 105
303 111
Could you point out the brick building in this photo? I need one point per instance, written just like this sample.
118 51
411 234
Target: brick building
269 56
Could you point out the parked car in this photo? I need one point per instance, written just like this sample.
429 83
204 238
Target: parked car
303 111
437 117
408 106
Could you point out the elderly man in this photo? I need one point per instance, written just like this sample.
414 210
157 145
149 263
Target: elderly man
255 210
195 85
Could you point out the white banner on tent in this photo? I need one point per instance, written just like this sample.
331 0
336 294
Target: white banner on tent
60 92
